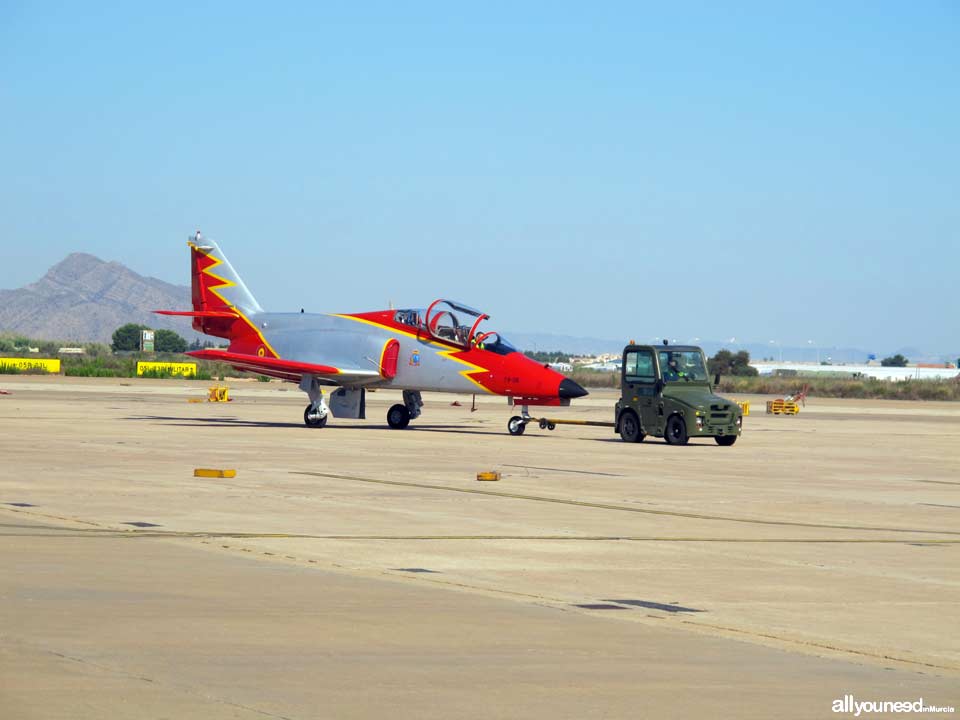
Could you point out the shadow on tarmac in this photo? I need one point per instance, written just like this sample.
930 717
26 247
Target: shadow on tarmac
457 429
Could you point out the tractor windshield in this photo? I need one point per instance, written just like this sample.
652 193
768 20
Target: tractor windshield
682 366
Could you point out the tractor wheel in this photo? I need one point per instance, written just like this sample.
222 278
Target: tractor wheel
676 432
630 427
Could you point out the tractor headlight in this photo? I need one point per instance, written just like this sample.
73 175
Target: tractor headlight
739 420
699 422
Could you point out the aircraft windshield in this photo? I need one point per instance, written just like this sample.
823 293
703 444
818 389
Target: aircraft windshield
413 318
682 366
493 342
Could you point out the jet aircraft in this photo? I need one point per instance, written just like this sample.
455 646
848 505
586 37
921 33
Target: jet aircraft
441 348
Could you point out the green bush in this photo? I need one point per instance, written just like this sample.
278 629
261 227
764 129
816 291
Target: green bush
126 338
169 341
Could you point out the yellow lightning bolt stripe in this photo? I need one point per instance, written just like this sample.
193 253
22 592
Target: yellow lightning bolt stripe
224 283
443 350
471 368
385 327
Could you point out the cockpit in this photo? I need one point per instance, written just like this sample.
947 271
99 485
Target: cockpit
455 324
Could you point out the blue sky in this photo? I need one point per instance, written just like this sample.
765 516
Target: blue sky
762 170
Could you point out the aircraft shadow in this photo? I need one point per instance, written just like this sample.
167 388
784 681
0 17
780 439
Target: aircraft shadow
417 427
237 422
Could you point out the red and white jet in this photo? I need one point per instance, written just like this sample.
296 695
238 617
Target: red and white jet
441 348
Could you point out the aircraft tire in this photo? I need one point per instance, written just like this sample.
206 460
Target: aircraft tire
516 425
314 422
676 431
725 440
398 417
630 428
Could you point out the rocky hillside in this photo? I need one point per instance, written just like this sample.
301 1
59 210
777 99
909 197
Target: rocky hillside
83 299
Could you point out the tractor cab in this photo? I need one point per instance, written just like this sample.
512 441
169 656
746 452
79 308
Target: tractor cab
666 392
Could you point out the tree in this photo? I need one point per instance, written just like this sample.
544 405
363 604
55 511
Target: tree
728 363
127 337
897 360
197 345
548 357
169 341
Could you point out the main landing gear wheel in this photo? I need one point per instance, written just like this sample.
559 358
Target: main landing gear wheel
311 418
725 440
630 428
676 432
398 417
516 425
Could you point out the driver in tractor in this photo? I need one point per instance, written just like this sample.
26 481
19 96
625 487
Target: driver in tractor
673 371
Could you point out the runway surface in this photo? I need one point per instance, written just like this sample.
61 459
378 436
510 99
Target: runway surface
356 571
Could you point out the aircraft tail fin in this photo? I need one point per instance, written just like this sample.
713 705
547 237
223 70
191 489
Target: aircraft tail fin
216 286
221 301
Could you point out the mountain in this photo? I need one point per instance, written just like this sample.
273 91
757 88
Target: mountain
575 345
84 299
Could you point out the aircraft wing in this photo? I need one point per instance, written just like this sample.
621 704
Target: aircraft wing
289 369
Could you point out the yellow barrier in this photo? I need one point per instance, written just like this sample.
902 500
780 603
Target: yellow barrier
782 407
50 366
174 368
214 472
219 393
744 406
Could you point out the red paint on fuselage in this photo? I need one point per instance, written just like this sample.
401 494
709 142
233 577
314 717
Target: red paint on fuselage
513 374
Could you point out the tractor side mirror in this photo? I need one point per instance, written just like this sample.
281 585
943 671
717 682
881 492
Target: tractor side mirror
716 379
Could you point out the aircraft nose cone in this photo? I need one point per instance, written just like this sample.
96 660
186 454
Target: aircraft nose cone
570 389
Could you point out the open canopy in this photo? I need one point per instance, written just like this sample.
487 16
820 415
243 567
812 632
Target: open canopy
456 324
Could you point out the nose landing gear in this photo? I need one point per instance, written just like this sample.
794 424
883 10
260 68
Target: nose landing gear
518 423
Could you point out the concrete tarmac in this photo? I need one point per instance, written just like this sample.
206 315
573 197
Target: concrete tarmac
357 572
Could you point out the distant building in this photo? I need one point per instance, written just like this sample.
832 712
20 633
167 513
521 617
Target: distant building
913 372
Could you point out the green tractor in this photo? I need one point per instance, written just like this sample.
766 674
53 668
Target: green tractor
666 392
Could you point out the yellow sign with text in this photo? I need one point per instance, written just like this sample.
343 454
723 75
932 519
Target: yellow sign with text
173 368
27 364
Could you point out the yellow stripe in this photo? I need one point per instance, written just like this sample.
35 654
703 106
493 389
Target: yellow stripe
444 351
628 508
465 373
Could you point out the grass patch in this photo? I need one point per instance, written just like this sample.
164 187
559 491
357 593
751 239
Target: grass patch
14 370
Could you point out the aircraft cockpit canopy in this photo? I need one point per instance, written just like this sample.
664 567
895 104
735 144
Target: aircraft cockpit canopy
456 324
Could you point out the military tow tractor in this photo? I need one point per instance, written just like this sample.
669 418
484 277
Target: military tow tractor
665 391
